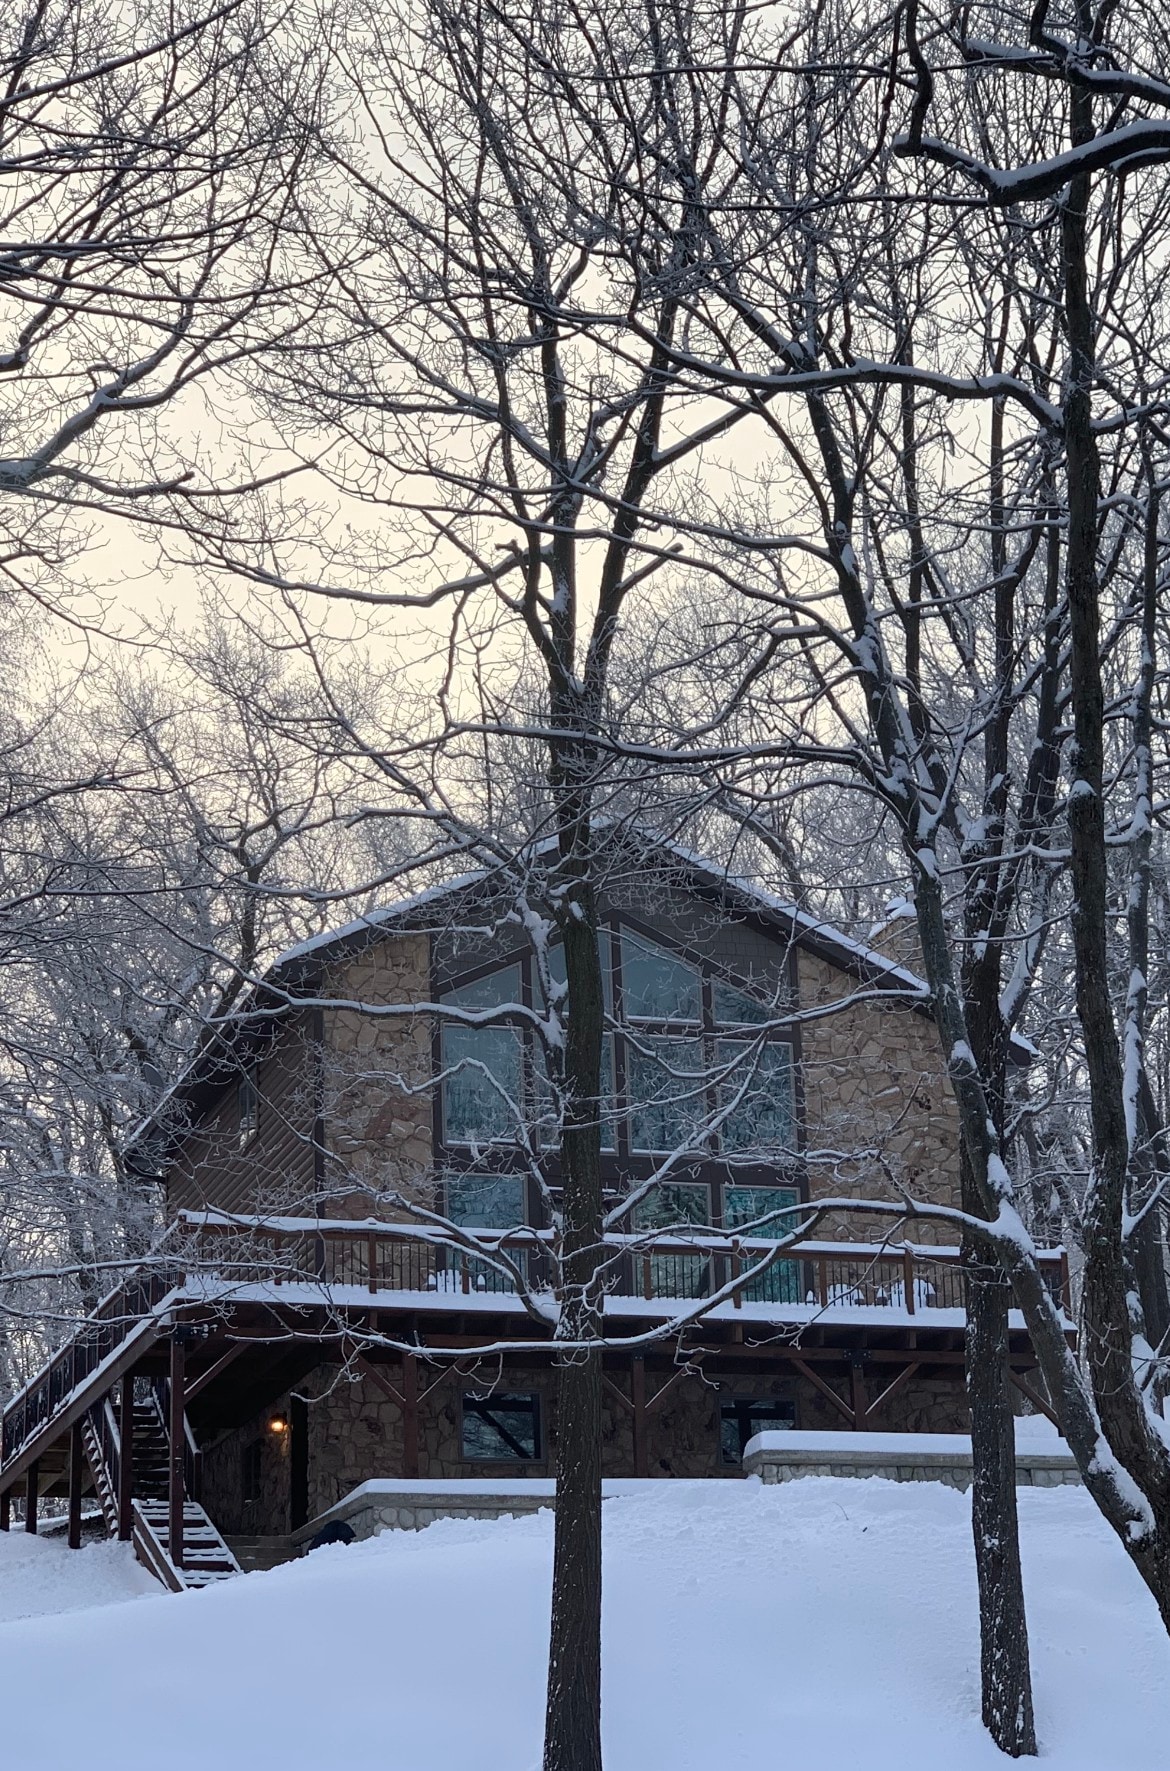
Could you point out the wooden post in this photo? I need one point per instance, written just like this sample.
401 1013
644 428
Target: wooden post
908 1278
76 1470
177 1486
372 1262
31 1486
6 1510
638 1396
126 1461
857 1393
410 1417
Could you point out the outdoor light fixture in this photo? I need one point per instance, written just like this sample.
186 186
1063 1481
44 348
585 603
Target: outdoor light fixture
278 1424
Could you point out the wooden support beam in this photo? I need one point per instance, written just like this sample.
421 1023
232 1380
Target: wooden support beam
857 1392
6 1510
410 1417
619 1396
818 1383
213 1371
1036 1399
177 1486
126 1460
638 1405
32 1482
891 1389
76 1474
378 1377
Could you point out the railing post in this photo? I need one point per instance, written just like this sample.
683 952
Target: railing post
908 1277
76 1466
647 1279
126 1461
1065 1283
31 1494
822 1281
178 1446
372 1261
6 1510
736 1271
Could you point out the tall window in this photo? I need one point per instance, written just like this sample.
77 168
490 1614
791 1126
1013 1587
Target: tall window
249 1111
483 1065
692 1064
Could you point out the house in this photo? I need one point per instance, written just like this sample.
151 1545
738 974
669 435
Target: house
358 1194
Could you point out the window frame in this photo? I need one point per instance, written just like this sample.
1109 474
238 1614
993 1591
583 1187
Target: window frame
774 1403
247 1111
625 1167
533 1396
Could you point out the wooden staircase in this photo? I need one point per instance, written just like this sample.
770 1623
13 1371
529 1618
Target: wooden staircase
206 1558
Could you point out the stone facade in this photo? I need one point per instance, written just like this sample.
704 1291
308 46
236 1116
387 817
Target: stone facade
355 1433
378 1139
874 1082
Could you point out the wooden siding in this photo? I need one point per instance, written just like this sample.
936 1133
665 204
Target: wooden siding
276 1170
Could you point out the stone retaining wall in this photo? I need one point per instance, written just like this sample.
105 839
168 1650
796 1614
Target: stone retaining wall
950 1464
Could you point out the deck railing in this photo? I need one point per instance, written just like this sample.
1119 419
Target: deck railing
379 1258
115 1318
213 1249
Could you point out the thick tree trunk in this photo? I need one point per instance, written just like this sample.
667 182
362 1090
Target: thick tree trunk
572 1740
1003 1626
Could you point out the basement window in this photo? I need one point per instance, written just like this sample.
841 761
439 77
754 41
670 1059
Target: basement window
741 1419
499 1428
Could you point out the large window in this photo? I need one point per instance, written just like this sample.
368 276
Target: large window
500 1428
483 1065
694 1065
741 1419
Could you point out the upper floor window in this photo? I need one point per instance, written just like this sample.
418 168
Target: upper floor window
248 1106
689 1060
483 1065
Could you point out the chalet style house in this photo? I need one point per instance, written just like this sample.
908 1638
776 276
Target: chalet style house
316 1315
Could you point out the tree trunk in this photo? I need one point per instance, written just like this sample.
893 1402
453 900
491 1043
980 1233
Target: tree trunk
572 1739
1003 1626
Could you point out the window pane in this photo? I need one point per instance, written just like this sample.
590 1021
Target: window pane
761 1121
741 1421
674 1274
656 986
667 1108
673 1202
733 1008
752 1208
769 1210
549 1122
485 1079
556 966
501 1428
494 990
486 1202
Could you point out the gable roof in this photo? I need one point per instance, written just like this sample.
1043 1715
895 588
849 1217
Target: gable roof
227 1049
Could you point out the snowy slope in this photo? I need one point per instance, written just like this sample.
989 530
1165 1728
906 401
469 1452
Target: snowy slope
823 1624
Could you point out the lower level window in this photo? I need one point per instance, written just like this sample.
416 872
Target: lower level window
742 1419
500 1429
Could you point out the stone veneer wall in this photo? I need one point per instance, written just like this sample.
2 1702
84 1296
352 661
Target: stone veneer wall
355 1433
377 1135
874 1079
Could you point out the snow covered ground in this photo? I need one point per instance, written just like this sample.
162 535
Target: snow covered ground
824 1624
